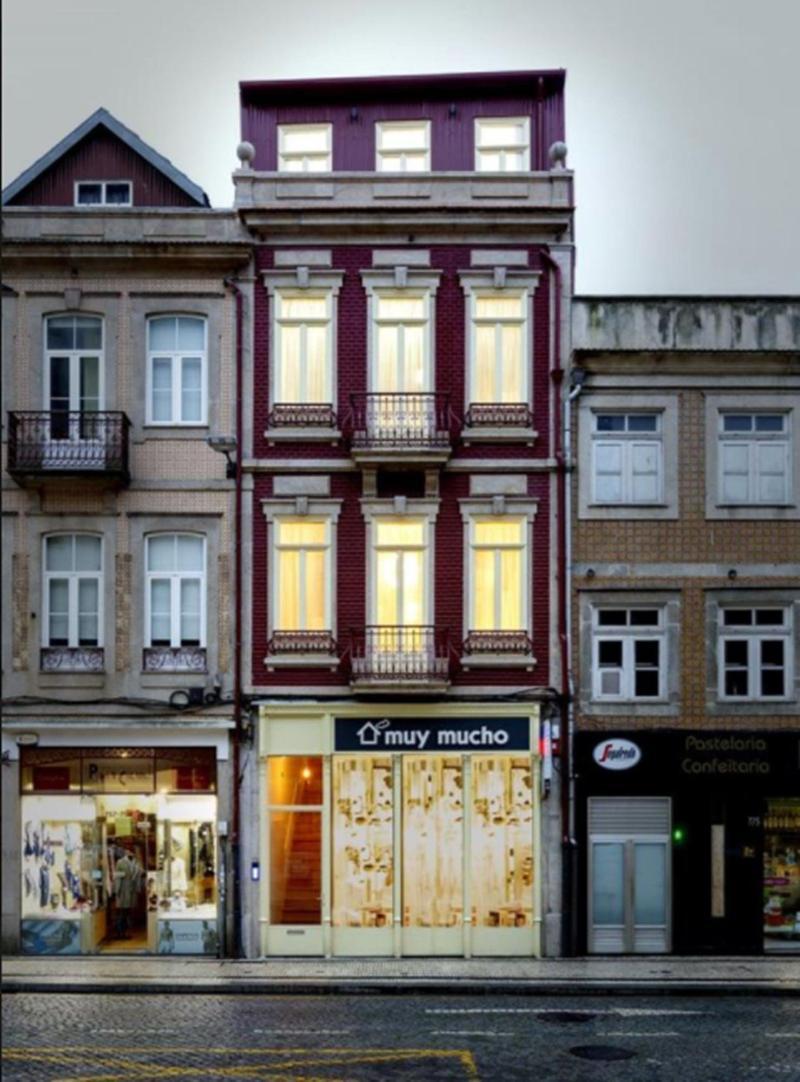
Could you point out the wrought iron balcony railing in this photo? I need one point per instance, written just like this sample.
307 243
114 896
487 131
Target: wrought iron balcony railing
498 642
302 415
395 654
72 659
499 415
400 421
177 659
68 442
302 642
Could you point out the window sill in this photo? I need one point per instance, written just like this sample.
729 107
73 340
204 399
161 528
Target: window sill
172 431
498 434
301 661
71 679
630 708
498 661
309 434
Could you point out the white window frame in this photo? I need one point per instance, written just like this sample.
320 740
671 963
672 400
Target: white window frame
425 322
754 635
473 296
73 579
753 441
176 358
402 282
103 184
382 126
627 442
307 158
486 122
628 635
175 578
74 356
279 322
399 509
328 567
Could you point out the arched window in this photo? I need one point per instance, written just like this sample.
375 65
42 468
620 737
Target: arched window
177 356
175 602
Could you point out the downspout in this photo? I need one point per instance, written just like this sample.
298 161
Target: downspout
237 643
561 445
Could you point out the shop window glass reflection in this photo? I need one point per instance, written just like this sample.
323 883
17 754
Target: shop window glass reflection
432 842
362 842
502 849
782 876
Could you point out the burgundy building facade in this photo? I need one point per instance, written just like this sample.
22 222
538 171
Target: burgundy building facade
405 327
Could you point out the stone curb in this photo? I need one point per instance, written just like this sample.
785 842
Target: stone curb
399 986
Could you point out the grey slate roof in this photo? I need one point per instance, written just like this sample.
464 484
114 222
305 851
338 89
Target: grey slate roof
131 139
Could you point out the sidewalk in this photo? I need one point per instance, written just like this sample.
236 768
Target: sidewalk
523 976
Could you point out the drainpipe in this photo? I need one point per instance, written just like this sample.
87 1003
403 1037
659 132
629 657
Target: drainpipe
237 643
562 450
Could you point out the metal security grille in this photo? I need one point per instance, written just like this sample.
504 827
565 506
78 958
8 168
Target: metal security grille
629 815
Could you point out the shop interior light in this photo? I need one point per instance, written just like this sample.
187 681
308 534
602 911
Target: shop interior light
306 773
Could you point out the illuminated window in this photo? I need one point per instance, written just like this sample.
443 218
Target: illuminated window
755 652
303 347
400 571
497 574
627 458
401 349
73 590
175 590
304 148
499 368
302 574
753 458
403 146
502 144
176 367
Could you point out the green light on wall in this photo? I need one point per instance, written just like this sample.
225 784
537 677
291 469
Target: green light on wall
678 835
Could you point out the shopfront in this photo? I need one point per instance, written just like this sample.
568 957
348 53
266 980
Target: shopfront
400 832
691 842
119 850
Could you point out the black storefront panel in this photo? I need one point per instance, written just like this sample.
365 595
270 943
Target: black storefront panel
720 785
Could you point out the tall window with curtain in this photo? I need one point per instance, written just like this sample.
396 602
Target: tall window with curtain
176 590
498 574
301 583
303 348
73 581
499 355
176 365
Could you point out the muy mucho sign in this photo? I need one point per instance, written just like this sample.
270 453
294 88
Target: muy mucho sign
617 754
432 734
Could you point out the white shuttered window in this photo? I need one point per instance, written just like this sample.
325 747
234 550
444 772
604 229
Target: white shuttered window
627 458
754 458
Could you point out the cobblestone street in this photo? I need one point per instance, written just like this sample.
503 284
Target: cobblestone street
87 1038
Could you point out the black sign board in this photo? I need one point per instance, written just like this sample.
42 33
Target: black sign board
431 734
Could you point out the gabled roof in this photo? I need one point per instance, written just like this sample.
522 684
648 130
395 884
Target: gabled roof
102 117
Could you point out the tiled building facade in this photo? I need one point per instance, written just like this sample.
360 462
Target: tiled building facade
119 352
401 485
686 600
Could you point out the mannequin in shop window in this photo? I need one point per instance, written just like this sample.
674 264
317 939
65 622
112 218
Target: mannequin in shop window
128 875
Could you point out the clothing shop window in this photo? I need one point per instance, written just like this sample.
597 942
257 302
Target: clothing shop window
497 574
304 148
754 458
502 144
498 372
303 347
176 590
755 649
627 458
73 590
403 146
628 654
302 574
176 368
103 193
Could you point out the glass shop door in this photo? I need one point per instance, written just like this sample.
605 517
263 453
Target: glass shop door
295 855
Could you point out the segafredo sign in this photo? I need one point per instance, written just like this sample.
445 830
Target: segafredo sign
431 734
617 754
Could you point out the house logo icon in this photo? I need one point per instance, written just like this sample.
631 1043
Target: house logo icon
370 732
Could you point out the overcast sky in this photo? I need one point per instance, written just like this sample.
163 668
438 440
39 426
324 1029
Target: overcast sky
683 116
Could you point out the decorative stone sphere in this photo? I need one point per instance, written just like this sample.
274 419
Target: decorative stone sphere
245 152
558 155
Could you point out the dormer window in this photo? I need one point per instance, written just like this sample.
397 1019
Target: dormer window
103 193
403 146
502 144
304 148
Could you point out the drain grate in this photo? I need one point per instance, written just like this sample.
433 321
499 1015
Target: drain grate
565 1016
601 1052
